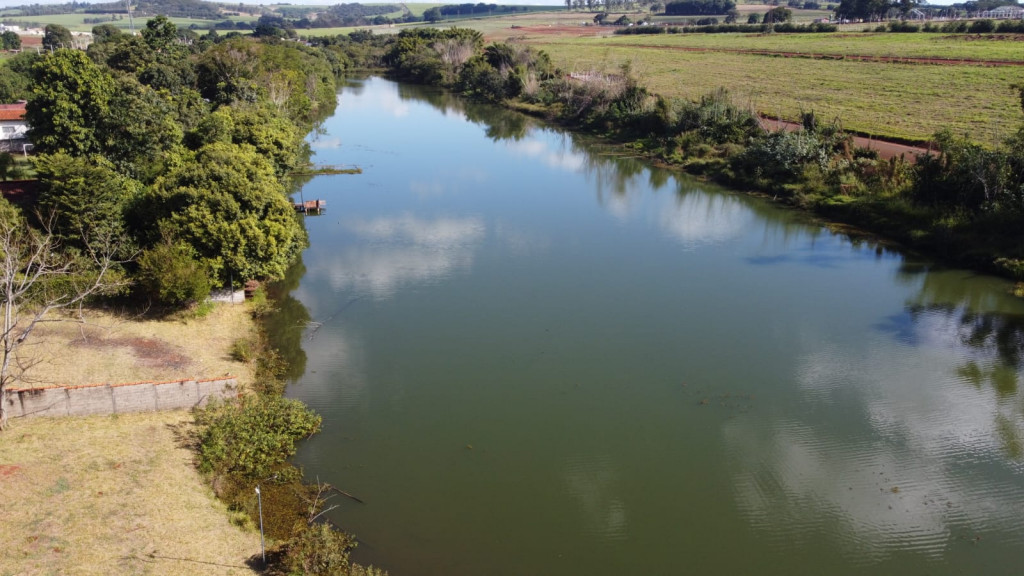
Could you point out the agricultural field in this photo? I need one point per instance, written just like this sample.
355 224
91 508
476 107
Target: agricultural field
883 99
956 47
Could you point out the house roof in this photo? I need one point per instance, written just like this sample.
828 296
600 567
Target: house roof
12 111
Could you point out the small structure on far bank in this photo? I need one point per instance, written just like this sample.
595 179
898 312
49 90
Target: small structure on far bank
14 128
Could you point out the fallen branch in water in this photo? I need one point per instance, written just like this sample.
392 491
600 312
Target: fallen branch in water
346 494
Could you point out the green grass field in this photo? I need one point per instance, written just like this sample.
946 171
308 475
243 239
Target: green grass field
893 100
917 45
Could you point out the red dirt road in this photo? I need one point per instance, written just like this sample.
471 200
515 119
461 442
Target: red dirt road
885 149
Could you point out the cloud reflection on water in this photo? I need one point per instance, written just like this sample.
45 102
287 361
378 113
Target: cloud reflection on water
562 157
399 250
887 453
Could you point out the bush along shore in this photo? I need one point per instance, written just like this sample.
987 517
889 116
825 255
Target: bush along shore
962 203
245 445
164 162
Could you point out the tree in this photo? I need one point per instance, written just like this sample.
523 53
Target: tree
865 9
160 33
433 15
70 98
138 129
229 207
86 196
754 18
57 36
10 40
778 15
170 274
107 33
37 279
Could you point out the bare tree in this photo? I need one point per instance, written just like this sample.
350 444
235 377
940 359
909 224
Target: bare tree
38 279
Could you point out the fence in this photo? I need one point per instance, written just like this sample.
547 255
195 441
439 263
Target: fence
116 398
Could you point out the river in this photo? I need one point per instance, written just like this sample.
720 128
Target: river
536 355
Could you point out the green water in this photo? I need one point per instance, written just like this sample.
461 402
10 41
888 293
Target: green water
536 356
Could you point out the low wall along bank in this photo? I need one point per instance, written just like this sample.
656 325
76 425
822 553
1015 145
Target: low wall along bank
116 398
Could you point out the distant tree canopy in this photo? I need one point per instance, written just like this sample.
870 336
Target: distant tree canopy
699 7
10 41
778 15
179 145
197 9
56 36
864 8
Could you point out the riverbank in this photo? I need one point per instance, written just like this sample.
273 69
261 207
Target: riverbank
122 494
114 495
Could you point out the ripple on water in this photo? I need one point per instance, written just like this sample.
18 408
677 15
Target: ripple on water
593 483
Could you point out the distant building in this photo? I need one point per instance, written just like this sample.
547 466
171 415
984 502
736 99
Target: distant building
1003 13
13 128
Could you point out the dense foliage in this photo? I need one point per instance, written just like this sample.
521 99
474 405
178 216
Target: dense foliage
253 436
197 9
699 7
10 40
179 145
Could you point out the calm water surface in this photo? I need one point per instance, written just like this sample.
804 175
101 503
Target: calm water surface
536 357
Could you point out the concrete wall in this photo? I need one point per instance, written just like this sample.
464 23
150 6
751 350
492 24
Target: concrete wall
116 398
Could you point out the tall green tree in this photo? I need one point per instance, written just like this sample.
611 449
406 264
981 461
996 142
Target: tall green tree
10 40
56 36
138 129
229 206
863 8
160 33
70 98
83 198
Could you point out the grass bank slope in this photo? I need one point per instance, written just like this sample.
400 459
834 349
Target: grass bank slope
112 495
117 348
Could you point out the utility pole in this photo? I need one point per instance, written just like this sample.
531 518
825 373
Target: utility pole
131 26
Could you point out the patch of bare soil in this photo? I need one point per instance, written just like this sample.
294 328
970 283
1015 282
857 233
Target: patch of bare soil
150 352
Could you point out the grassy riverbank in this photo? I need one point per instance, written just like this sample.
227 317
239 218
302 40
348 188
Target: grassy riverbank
121 494
113 495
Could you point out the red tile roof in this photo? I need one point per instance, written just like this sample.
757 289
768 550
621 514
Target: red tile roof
12 111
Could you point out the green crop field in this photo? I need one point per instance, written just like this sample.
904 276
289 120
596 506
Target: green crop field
888 45
894 100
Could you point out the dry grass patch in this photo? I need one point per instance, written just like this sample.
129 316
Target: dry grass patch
113 348
112 495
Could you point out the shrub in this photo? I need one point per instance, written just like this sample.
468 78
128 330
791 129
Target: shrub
252 436
982 27
171 276
319 550
243 349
